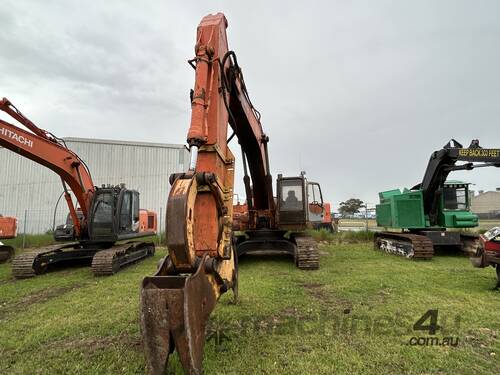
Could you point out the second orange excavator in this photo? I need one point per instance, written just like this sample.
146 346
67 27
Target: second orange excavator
107 218
8 230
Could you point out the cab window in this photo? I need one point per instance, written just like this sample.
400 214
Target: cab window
291 196
315 194
455 198
126 211
103 212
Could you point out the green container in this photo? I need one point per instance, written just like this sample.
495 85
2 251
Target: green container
401 209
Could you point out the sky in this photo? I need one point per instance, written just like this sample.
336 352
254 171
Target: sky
356 93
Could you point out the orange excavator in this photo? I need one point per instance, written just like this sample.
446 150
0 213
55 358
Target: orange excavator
104 221
202 252
8 230
328 222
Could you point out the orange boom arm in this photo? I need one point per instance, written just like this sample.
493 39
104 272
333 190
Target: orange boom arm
47 150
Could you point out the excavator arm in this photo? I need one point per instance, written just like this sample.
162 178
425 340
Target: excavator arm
220 97
245 122
444 161
46 149
177 301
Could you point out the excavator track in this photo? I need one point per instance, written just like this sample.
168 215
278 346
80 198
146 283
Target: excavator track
22 265
32 263
6 253
412 246
307 253
110 261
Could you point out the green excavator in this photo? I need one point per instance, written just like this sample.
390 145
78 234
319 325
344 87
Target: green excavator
424 214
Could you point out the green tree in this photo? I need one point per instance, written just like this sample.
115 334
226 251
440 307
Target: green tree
350 206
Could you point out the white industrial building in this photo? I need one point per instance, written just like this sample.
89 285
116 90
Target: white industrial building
29 190
486 204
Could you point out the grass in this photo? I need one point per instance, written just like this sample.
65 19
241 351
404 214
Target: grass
338 238
353 316
31 240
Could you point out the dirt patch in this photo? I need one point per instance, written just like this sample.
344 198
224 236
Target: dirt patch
90 345
282 274
39 297
481 337
11 279
87 346
282 321
44 295
291 312
317 291
313 285
383 295
326 299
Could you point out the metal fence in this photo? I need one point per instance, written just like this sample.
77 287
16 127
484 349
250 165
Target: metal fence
492 215
39 221
45 221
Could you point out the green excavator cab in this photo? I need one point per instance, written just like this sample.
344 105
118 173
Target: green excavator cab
454 210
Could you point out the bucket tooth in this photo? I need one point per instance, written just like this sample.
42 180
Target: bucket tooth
174 313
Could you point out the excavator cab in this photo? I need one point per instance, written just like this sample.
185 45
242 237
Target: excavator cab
292 211
455 206
300 202
455 195
114 214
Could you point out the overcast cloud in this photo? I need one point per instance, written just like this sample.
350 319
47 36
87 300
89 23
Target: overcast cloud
356 93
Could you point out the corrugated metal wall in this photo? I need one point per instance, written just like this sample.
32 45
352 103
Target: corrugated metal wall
27 188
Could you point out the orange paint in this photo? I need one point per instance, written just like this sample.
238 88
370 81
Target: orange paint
8 227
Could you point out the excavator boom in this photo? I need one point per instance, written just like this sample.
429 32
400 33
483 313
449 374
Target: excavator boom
47 150
444 161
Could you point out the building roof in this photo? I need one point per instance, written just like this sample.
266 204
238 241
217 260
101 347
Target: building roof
120 142
487 193
456 182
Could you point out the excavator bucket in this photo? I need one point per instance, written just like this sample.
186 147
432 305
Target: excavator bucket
174 313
